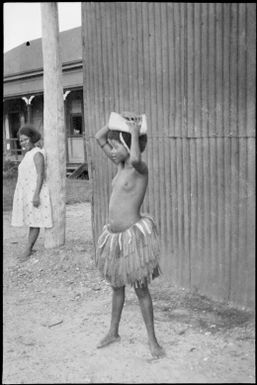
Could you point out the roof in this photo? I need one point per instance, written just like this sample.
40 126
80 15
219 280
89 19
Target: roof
28 56
23 65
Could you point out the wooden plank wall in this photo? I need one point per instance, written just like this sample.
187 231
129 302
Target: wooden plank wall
191 68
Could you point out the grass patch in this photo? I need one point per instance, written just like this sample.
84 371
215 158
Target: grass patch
8 191
202 313
77 191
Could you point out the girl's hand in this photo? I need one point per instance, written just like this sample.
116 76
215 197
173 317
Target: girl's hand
36 200
134 123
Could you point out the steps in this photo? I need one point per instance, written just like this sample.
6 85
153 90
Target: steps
77 171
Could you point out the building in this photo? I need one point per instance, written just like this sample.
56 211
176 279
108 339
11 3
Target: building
191 68
24 96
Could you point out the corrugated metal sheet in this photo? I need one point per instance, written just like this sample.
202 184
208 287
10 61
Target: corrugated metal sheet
191 68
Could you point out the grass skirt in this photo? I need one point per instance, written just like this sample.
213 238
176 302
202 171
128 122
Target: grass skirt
131 256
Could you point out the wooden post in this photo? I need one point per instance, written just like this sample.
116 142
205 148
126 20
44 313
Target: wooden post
66 114
4 137
84 130
28 106
54 127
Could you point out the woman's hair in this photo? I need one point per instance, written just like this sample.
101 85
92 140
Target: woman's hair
115 134
30 131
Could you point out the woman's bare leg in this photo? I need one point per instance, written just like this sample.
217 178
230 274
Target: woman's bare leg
33 236
146 307
118 298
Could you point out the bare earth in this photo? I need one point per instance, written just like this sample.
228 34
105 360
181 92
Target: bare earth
56 308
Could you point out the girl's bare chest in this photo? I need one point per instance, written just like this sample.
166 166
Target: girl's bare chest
124 180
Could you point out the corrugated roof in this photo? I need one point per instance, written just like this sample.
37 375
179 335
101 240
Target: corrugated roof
29 57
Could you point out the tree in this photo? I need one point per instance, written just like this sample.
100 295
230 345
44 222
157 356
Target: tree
54 127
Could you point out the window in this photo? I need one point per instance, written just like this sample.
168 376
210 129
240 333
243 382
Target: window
76 124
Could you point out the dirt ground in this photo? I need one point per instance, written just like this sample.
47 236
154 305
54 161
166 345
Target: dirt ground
56 308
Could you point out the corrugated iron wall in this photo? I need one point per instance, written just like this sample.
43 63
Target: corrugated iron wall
191 68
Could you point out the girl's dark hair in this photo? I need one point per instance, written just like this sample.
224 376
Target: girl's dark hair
115 134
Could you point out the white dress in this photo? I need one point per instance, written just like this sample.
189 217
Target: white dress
23 212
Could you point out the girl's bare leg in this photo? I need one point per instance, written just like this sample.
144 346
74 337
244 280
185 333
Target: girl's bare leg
33 235
118 297
146 307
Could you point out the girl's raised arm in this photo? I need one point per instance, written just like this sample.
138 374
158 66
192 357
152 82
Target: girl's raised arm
101 138
135 154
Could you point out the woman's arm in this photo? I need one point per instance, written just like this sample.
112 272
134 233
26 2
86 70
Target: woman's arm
40 167
101 137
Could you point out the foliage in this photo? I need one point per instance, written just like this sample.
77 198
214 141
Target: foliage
77 191
10 168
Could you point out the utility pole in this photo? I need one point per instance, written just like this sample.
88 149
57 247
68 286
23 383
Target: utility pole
54 127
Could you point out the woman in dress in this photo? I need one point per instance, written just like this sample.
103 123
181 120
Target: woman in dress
31 202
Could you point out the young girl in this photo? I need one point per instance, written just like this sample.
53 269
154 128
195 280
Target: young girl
31 202
128 248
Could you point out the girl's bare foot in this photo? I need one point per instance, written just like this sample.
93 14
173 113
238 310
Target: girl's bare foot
109 339
156 350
